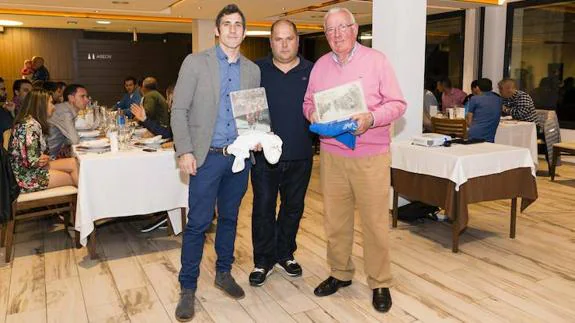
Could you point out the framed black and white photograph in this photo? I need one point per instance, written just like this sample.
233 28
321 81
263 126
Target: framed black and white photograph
250 109
340 102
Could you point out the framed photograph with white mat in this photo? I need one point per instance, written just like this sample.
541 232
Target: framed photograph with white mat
250 109
340 102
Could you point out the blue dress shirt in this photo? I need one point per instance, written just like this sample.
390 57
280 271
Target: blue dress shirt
127 101
225 131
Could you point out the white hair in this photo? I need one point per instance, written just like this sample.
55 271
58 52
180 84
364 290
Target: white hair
338 9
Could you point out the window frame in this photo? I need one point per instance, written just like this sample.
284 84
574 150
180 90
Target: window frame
511 7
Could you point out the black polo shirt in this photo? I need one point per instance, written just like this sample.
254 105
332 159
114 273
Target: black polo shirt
285 93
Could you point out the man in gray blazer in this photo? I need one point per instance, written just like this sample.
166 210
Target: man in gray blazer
203 126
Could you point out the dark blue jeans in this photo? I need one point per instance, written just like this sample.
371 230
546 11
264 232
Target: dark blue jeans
274 239
214 181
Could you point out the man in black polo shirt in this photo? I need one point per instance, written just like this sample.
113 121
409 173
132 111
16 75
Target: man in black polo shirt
285 76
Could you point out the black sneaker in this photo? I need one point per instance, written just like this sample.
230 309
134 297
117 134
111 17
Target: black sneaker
291 267
259 275
161 223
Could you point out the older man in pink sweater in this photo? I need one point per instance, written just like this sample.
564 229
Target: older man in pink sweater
359 177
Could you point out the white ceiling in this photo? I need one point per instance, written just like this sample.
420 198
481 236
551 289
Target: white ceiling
127 14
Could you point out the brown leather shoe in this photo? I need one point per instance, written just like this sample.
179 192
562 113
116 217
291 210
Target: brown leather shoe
330 286
381 299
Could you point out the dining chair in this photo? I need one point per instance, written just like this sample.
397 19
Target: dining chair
451 127
562 148
33 205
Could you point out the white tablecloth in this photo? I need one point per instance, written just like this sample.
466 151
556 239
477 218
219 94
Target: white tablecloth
459 163
128 183
518 134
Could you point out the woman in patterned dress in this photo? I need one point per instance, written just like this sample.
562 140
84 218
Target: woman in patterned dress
29 157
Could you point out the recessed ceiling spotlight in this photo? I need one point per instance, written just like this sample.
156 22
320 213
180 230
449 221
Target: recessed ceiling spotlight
103 22
179 16
10 23
283 8
96 11
199 8
72 22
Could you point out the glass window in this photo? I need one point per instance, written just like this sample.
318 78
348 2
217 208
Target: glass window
444 47
540 54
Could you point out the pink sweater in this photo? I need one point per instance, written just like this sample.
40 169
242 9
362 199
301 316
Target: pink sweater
382 96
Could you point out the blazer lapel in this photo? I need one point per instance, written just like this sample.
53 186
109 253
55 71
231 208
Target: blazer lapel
244 77
214 69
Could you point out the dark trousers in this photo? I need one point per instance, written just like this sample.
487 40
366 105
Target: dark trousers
214 181
274 240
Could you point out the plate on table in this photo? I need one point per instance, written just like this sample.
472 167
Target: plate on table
140 131
509 121
88 134
154 141
95 144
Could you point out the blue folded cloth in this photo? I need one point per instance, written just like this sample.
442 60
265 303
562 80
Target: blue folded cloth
342 131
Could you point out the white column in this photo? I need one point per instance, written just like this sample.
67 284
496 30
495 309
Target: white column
399 32
203 36
494 42
471 48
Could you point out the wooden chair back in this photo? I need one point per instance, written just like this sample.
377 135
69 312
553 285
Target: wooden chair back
451 127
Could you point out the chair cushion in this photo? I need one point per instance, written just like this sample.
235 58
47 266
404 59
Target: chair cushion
47 193
565 145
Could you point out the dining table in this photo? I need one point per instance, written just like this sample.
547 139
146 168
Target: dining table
137 180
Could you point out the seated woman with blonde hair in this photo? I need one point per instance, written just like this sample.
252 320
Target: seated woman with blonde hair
28 151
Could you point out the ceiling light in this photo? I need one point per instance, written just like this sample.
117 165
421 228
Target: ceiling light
199 8
72 22
103 22
258 33
10 23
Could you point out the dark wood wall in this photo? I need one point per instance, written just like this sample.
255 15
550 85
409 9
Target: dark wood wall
55 45
115 56
255 48
102 65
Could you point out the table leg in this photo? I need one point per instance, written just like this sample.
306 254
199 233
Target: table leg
394 210
170 228
556 154
184 216
513 218
455 225
92 245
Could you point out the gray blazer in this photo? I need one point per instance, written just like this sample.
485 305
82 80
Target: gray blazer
197 101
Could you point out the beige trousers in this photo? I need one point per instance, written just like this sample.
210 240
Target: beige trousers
362 183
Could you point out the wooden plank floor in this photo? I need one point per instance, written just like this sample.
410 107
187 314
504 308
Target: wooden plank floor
492 279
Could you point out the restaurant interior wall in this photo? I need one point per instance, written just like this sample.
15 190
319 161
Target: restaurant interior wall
116 56
445 36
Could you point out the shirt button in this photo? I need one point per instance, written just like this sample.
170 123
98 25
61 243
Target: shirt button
230 80
228 124
228 110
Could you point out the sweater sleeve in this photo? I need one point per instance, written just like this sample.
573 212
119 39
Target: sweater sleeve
308 103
